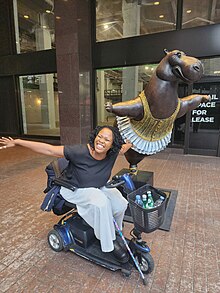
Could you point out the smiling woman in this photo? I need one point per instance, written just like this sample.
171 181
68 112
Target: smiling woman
88 170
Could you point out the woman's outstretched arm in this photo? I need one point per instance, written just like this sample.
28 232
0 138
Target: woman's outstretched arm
39 147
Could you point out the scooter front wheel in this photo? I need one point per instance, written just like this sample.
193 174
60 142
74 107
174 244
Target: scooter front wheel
146 262
55 240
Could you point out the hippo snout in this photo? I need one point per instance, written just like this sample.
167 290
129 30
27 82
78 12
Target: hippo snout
196 71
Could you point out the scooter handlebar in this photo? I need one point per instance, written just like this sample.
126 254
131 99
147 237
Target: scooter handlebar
115 182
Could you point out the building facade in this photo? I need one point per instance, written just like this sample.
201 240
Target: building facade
61 60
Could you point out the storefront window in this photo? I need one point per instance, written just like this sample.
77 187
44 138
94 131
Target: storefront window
118 19
119 84
34 25
205 119
39 100
199 13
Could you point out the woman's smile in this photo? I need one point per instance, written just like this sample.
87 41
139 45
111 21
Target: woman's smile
103 141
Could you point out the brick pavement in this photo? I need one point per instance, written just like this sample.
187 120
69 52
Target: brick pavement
187 259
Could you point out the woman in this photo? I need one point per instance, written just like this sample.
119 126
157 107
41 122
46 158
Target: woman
88 170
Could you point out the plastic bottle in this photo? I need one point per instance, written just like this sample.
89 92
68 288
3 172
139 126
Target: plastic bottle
144 199
159 201
150 200
138 200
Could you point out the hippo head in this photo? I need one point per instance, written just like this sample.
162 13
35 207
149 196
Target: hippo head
176 65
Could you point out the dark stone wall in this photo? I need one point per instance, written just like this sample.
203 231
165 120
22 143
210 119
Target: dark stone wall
74 67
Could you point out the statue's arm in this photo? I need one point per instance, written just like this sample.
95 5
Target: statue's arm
191 102
133 108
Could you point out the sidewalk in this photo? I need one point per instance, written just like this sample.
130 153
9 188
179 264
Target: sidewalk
187 258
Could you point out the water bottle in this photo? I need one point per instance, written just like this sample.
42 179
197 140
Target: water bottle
159 201
150 200
144 199
138 200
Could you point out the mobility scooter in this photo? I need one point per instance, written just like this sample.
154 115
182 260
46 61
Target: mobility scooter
72 233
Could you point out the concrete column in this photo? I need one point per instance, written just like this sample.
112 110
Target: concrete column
47 102
101 112
131 27
43 42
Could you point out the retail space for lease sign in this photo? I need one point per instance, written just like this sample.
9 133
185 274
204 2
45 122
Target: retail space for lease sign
207 114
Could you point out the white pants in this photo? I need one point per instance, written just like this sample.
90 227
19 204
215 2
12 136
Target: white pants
98 206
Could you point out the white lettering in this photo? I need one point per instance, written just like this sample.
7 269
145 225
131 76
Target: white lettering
199 112
213 97
207 105
203 119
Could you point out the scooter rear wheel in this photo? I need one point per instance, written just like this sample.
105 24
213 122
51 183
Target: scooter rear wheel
55 240
146 262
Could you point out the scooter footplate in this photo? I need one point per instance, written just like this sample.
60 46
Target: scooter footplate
94 254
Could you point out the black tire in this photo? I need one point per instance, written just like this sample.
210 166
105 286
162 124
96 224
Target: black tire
55 240
146 262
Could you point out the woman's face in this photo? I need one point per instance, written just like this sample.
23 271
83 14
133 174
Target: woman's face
103 141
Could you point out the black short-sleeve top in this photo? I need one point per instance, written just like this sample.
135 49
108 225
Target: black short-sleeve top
85 171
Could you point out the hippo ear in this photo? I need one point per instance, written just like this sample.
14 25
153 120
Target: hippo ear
166 51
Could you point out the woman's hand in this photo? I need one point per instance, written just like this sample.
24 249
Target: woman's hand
7 142
125 147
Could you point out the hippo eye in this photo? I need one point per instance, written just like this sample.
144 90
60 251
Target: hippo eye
178 54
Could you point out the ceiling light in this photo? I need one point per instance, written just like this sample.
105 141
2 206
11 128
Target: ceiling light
146 67
26 16
156 3
106 26
58 17
38 101
188 11
48 11
161 16
44 26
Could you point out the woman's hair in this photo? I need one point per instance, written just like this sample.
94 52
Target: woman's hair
117 139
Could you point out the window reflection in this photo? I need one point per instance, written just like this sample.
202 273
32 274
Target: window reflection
126 18
119 84
211 66
34 25
39 100
123 18
199 13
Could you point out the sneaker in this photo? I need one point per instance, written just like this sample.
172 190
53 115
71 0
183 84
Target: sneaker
119 253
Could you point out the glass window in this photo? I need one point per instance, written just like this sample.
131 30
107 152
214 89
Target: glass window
205 119
119 84
39 100
198 13
34 25
211 66
117 19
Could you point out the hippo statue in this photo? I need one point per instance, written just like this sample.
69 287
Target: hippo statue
147 121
